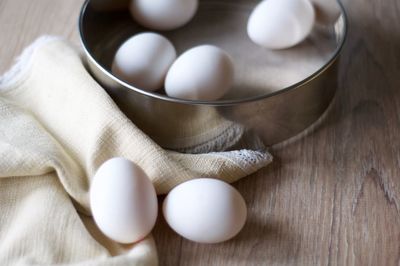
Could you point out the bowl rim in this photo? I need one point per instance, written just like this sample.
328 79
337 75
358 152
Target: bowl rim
159 96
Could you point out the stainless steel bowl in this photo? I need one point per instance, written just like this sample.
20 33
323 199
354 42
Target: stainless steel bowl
277 93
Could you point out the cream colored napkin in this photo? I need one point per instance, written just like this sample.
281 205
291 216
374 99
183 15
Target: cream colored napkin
57 126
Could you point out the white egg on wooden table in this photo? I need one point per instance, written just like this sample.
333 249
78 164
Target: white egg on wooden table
205 210
163 14
203 72
143 60
280 24
123 201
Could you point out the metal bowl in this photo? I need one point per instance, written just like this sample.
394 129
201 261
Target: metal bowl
277 94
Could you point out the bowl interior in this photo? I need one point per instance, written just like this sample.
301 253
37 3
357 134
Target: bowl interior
258 71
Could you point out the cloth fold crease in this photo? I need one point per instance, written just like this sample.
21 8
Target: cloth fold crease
57 126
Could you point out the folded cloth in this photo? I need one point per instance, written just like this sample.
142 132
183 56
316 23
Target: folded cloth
57 126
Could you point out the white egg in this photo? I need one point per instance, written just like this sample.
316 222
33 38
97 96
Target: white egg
143 60
202 73
205 210
280 24
327 11
163 14
123 201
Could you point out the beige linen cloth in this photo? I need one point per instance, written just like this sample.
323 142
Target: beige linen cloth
57 126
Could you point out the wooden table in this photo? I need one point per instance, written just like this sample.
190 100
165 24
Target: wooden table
330 198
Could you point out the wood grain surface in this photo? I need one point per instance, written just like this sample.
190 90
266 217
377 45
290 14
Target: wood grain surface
331 197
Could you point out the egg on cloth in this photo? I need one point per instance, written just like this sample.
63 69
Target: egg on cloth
203 72
280 24
123 201
143 60
163 14
205 210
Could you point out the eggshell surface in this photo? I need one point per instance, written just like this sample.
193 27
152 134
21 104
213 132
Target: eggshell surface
280 24
143 60
123 201
205 210
163 14
327 11
204 72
